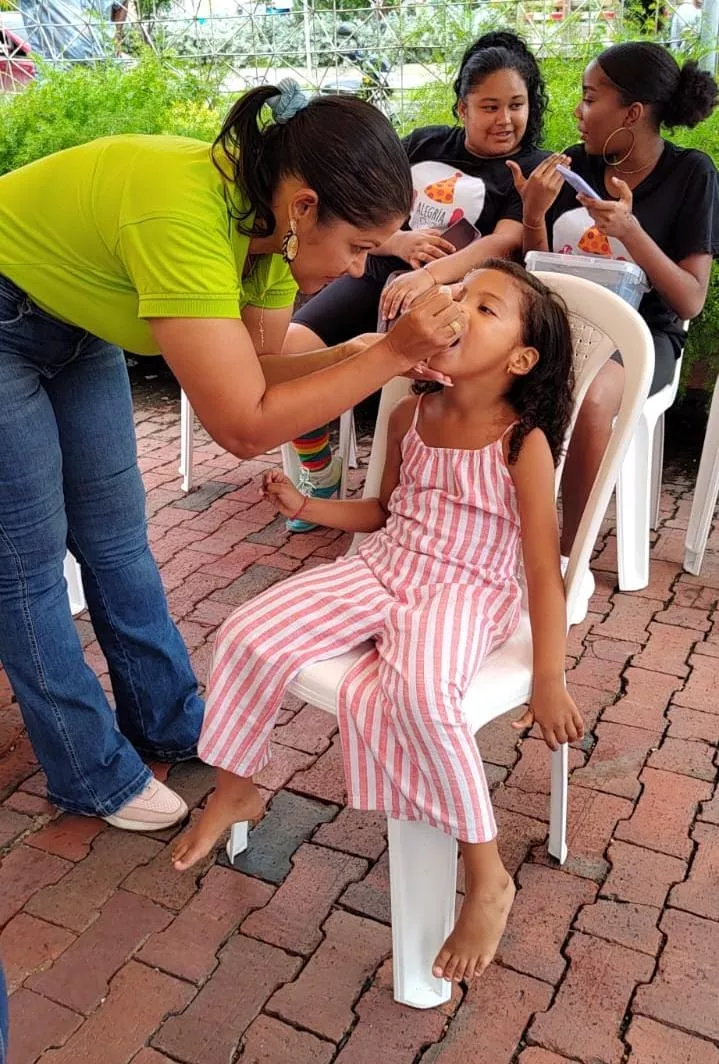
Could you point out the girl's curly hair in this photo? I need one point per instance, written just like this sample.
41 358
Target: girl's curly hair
542 398
504 50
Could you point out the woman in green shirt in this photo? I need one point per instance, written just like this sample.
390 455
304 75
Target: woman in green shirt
162 244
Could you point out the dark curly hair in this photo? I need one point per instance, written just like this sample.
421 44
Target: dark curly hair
645 72
342 147
542 398
504 50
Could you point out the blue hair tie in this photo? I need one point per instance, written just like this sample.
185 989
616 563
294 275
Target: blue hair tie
288 102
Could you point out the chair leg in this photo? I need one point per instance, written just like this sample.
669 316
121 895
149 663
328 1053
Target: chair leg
423 882
657 472
633 510
347 451
706 490
187 425
557 844
73 579
237 842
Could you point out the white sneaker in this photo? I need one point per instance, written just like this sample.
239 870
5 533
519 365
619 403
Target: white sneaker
587 588
156 807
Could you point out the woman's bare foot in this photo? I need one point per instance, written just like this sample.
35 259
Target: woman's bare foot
473 943
226 805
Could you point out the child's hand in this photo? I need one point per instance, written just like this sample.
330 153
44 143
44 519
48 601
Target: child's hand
281 492
555 713
400 294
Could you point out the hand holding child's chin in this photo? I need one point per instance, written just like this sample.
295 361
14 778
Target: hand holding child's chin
423 371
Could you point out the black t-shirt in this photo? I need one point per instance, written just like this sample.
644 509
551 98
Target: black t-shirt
450 183
677 204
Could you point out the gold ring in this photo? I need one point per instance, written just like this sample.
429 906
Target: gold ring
455 327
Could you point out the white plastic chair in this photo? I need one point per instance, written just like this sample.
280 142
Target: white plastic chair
706 490
74 584
423 860
639 488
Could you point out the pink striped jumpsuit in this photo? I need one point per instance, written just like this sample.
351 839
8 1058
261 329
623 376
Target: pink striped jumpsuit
435 591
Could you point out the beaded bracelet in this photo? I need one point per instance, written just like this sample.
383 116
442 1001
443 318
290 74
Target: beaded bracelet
302 506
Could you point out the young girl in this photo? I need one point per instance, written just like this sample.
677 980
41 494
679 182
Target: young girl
458 172
469 471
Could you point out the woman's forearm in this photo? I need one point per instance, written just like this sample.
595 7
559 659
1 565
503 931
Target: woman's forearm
280 368
292 407
535 236
677 286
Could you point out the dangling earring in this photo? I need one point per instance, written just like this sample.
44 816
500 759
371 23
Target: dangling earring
618 162
291 243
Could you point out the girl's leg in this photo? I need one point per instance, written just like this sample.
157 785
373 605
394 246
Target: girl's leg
591 435
3 1016
90 766
234 800
158 707
409 749
320 473
345 308
488 898
259 650
594 429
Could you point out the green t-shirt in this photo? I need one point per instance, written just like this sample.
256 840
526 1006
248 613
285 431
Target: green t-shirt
126 228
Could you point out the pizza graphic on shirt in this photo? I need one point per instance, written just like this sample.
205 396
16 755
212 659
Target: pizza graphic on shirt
443 194
593 242
443 191
574 233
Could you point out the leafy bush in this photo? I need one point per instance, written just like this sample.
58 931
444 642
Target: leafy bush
68 107
161 95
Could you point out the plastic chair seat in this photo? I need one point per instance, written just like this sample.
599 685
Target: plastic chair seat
507 673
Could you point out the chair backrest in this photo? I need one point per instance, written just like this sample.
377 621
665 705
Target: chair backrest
601 324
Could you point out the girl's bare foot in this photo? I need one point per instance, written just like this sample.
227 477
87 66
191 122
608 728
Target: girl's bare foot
473 943
223 809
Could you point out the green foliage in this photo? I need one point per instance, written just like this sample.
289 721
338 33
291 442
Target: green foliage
160 94
68 107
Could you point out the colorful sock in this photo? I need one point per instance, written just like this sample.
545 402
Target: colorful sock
313 449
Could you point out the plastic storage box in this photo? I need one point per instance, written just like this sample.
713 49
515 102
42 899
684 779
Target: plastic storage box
625 278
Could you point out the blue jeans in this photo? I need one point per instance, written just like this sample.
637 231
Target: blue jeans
3 1016
69 478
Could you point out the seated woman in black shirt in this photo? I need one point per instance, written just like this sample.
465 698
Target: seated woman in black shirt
659 209
458 172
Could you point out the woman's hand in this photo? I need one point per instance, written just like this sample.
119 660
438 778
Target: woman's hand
281 493
556 714
433 324
419 246
613 217
538 191
423 372
400 294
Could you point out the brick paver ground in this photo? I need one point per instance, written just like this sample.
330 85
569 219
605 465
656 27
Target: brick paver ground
112 957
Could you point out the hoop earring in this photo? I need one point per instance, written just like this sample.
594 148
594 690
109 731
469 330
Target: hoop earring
618 162
290 243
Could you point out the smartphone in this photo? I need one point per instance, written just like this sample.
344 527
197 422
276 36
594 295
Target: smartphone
461 234
577 183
